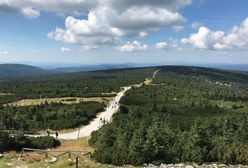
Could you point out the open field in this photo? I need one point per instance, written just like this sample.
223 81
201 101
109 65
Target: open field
63 100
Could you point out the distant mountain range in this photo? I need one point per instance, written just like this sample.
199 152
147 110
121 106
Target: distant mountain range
237 67
93 67
21 70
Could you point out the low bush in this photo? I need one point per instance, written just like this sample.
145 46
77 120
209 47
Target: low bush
18 141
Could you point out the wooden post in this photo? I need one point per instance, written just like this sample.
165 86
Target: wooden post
76 162
22 153
78 132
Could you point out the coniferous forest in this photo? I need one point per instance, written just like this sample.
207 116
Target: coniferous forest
15 121
188 114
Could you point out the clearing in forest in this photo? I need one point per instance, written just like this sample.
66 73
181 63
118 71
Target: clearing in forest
63 100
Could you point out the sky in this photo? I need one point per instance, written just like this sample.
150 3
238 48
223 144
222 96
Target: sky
83 32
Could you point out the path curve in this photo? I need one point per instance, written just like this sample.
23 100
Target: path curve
106 115
95 124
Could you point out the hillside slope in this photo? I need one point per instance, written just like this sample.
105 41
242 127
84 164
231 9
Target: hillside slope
20 70
187 114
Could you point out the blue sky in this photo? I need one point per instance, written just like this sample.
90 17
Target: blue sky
105 31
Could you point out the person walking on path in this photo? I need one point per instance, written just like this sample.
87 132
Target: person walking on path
48 132
57 135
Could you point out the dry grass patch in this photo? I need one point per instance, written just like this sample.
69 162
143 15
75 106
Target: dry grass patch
63 100
34 160
81 144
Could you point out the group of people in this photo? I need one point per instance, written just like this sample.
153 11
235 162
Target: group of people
102 121
113 106
56 133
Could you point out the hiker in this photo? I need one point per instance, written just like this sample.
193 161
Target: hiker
48 132
57 134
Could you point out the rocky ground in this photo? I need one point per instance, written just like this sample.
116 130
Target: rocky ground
182 165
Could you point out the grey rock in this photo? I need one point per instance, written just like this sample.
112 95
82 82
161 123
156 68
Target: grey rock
222 165
195 165
170 165
9 164
181 165
163 165
189 166
215 165
53 160
209 166
151 165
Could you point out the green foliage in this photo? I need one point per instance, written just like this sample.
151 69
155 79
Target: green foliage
83 84
188 114
54 116
42 142
3 138
17 141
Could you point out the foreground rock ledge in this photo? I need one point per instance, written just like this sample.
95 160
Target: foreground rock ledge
207 165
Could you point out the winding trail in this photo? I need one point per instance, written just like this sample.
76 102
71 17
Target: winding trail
155 73
106 115
95 124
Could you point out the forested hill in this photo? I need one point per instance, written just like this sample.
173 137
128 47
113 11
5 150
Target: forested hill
20 70
187 114
210 73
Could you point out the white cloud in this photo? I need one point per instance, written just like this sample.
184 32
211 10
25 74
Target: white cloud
196 25
64 49
61 14
111 20
207 39
107 21
161 45
90 47
134 46
178 28
204 38
4 52
64 6
30 13
172 5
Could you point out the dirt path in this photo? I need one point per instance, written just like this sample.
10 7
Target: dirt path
106 115
155 73
94 125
